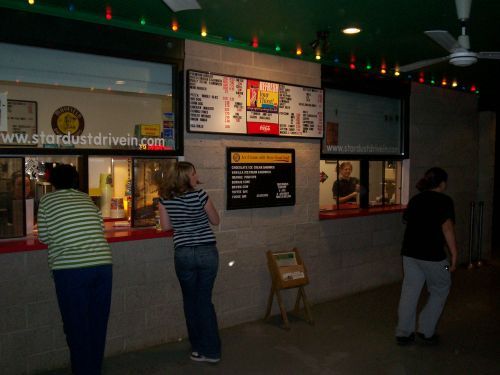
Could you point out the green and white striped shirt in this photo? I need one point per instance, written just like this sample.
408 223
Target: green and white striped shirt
72 226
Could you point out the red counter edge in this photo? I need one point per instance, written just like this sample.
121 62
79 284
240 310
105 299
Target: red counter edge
357 212
31 243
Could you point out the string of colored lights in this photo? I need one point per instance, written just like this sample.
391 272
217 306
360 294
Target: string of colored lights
174 29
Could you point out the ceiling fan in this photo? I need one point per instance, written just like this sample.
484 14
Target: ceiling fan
178 5
460 53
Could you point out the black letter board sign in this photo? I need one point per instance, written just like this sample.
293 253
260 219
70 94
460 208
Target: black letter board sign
260 177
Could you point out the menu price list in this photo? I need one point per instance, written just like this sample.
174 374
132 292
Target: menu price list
301 111
234 105
252 184
216 101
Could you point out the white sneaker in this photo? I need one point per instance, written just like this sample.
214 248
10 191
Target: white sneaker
195 356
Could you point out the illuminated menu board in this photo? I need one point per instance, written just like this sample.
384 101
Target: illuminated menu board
235 105
260 177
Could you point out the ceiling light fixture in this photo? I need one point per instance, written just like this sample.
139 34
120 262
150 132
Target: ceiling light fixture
351 30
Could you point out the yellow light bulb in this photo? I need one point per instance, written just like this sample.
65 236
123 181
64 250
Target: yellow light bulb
203 33
31 2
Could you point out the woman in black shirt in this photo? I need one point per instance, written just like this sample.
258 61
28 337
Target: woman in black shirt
429 220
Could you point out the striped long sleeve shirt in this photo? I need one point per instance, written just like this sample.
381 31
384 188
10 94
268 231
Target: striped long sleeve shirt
72 227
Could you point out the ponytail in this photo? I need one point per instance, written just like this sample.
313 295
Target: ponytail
432 179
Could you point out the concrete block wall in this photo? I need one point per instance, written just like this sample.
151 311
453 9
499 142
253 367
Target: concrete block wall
446 130
342 256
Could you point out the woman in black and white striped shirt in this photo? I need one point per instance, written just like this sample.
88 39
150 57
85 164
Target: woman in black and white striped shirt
189 212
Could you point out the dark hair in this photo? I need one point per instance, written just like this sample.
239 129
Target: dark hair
432 179
64 176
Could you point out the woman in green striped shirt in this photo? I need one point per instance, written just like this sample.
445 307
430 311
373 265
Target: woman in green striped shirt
80 259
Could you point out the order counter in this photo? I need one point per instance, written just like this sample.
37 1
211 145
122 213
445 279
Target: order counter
329 212
112 233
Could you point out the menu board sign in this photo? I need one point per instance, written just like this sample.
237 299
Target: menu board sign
235 105
260 177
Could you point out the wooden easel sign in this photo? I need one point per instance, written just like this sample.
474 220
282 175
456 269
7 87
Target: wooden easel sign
287 271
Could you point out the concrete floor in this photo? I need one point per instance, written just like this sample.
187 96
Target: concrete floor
352 335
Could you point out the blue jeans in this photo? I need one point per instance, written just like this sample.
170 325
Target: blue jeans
438 280
196 268
84 297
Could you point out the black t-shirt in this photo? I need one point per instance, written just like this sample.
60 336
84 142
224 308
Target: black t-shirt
424 217
344 187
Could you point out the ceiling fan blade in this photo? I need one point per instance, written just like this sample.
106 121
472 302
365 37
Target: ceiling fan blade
178 5
444 39
489 55
421 64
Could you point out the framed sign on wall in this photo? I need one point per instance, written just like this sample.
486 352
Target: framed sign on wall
235 105
260 177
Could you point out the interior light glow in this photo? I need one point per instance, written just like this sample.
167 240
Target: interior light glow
351 30
175 26
454 83
203 32
298 52
318 56
31 2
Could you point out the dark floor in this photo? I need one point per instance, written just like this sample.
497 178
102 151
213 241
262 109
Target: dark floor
353 335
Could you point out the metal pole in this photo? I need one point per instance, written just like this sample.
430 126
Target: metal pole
480 207
471 233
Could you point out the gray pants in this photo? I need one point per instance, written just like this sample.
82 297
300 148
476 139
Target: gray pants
416 273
